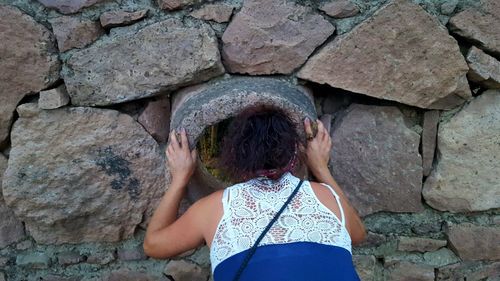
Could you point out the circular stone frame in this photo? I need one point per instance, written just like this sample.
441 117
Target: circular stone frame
198 107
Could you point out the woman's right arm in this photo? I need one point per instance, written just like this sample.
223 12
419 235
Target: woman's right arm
318 155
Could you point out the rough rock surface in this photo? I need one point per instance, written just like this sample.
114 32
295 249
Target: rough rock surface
195 108
480 25
466 176
28 61
340 9
72 32
365 266
175 4
53 98
469 270
183 270
407 271
215 12
265 38
382 58
11 229
419 244
68 6
156 118
474 242
73 170
375 159
483 69
160 57
429 134
121 18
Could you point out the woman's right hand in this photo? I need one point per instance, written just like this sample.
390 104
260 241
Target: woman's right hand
318 148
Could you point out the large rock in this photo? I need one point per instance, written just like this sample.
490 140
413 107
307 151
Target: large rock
483 69
81 174
160 57
73 32
474 242
480 25
375 159
175 4
28 61
68 6
407 271
469 270
401 53
181 270
11 229
265 38
466 176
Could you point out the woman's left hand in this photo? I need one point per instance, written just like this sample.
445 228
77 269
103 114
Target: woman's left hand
181 160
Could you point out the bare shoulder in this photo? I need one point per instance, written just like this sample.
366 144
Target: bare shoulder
326 197
209 211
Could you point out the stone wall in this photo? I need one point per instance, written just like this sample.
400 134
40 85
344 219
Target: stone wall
410 90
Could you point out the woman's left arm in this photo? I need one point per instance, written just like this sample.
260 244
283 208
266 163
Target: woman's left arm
165 236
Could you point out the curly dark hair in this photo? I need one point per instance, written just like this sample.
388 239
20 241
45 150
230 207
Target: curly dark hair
262 137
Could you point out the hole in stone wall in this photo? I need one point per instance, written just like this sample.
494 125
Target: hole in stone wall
209 149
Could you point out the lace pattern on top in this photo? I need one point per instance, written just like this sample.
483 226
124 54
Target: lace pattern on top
250 206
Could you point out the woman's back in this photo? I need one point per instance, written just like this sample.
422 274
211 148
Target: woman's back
307 242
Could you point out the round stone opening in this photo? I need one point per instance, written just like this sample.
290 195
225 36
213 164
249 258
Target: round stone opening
208 108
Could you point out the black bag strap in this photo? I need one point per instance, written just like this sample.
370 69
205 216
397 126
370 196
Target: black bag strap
254 247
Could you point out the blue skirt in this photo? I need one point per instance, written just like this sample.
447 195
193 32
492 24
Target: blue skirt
297 261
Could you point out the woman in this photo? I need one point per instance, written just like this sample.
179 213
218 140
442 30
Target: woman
252 232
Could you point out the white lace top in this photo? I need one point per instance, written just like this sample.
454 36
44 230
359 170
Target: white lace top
250 206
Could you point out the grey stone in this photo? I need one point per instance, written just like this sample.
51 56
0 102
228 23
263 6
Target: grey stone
217 12
340 9
131 254
419 244
181 270
441 257
156 118
131 275
468 270
101 258
429 135
265 38
483 69
195 108
72 32
29 61
2 276
70 257
24 245
176 4
375 159
4 261
11 229
407 271
75 170
121 18
480 25
118 69
36 260
55 277
53 98
68 6
382 58
448 7
365 266
466 177
474 242
373 240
